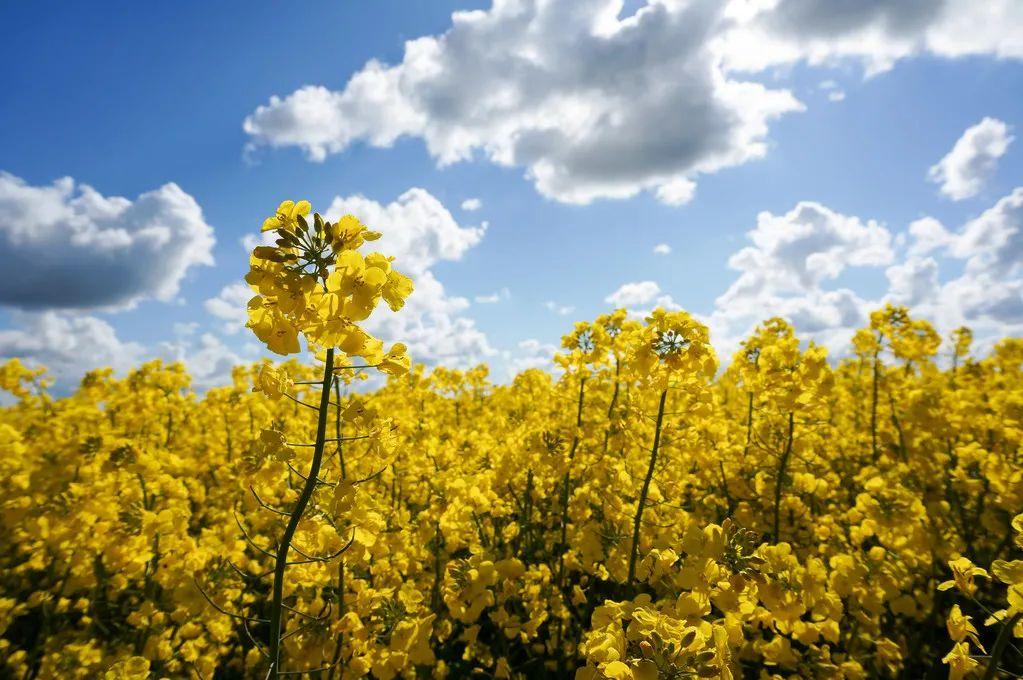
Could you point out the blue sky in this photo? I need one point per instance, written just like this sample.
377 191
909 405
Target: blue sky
127 97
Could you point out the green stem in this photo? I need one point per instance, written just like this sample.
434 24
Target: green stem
873 410
1001 643
565 493
276 607
566 486
646 487
749 425
614 402
781 476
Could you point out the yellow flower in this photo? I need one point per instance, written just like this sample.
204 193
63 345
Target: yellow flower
960 627
396 361
959 661
286 216
963 573
272 382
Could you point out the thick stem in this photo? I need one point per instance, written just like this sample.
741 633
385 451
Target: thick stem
873 410
567 483
614 401
276 607
781 476
749 425
337 428
565 493
646 487
1000 644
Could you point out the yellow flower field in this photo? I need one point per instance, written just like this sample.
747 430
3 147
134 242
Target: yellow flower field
651 511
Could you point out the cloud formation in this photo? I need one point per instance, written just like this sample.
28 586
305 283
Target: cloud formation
70 247
973 160
795 256
590 105
68 345
230 306
593 104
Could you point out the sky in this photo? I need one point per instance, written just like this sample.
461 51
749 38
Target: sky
531 162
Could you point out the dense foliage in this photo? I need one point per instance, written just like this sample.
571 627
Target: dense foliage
646 513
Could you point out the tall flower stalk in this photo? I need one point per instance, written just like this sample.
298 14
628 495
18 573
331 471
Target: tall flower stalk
314 282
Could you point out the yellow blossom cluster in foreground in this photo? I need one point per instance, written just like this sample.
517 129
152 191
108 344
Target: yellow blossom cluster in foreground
649 513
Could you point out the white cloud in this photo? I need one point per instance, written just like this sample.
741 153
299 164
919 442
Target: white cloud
640 298
230 305
531 353
973 160
419 232
993 242
559 309
589 105
988 294
633 294
80 249
783 274
794 252
471 204
433 328
834 92
67 344
494 297
208 360
678 191
662 249
592 104
250 240
776 280
913 282
928 234
877 33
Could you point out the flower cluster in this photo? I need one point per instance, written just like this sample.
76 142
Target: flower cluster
644 513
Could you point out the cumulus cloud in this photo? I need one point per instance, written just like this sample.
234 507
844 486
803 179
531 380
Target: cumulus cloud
913 282
76 248
229 305
559 309
877 33
794 252
785 270
590 105
993 242
985 293
419 232
208 359
432 326
593 104
972 160
67 344
990 289
530 353
640 297
632 294
471 204
493 298
928 234
662 249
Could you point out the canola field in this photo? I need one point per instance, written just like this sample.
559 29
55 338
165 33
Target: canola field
649 510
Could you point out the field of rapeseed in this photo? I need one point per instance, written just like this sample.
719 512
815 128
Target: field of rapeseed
654 511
